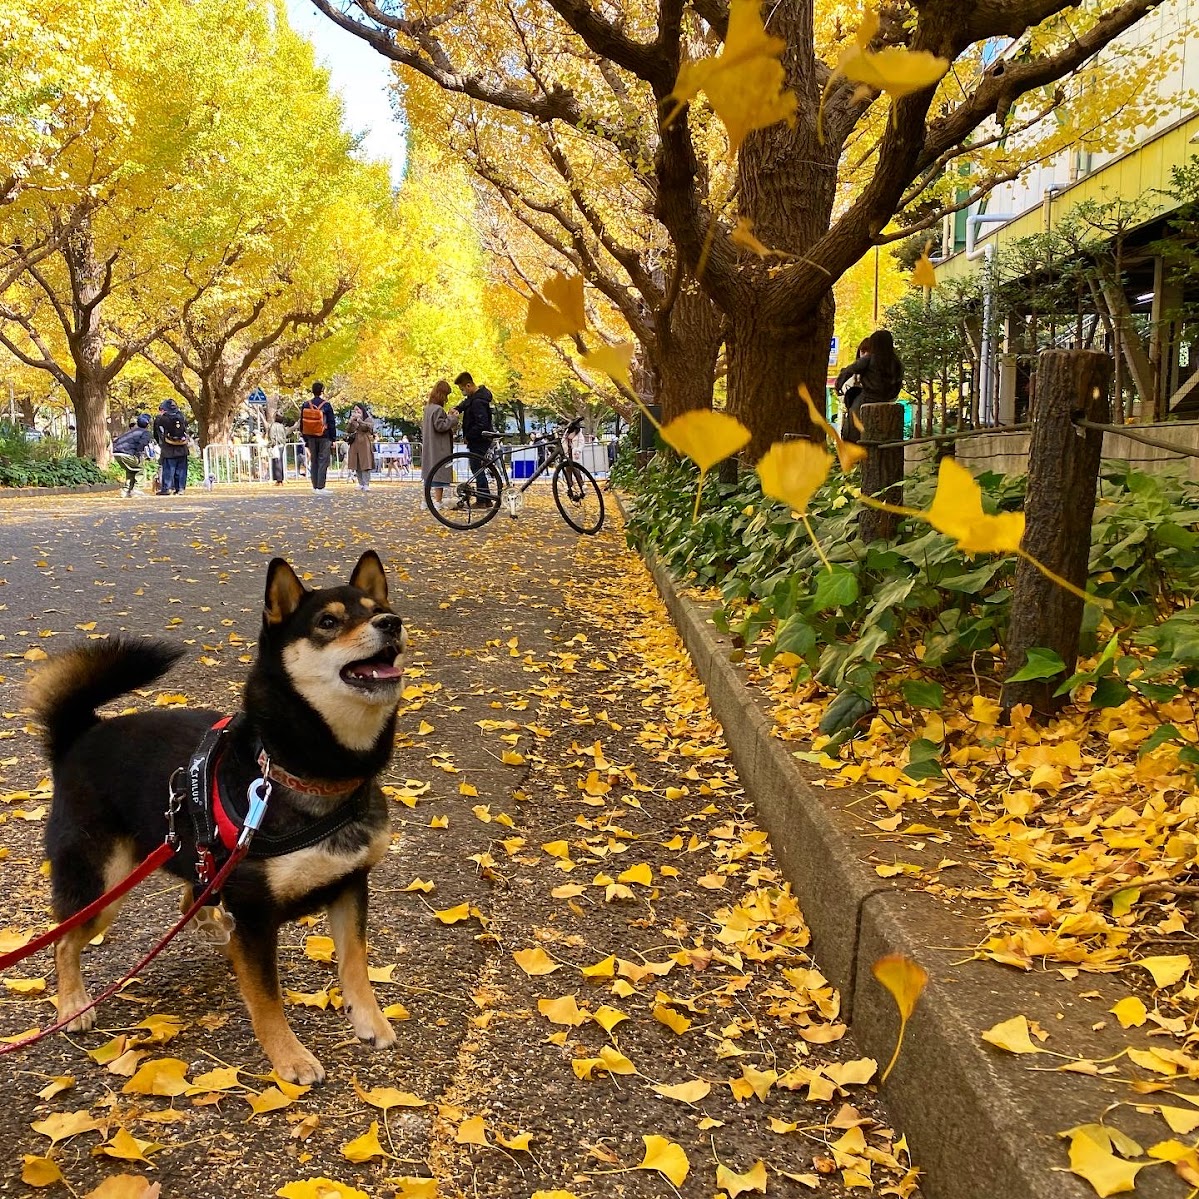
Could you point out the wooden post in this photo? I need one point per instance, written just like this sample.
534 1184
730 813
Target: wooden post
882 471
1063 473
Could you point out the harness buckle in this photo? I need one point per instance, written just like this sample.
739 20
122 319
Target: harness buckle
205 865
175 798
258 794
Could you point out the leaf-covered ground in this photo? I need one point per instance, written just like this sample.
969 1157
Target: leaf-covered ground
583 934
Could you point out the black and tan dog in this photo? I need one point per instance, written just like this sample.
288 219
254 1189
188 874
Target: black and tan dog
321 702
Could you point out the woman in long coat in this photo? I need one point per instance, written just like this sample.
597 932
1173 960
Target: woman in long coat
360 433
437 438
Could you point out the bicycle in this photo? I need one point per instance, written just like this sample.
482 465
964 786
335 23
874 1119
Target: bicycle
479 485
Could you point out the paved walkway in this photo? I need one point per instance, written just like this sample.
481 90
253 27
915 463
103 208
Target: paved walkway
559 781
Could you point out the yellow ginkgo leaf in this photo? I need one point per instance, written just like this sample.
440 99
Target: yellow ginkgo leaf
520 1140
271 1100
319 949
126 1147
1012 1035
641 873
706 437
1166 969
472 1131
562 1011
615 1062
1130 1011
905 981
511 758
536 961
792 471
894 70
366 1147
608 1017
39 1171
675 1021
743 236
160 1076
126 1186
848 452
415 1188
685 1092
224 1078
668 1158
614 360
61 1125
1094 1161
385 1097
957 510
1182 1120
744 83
754 1179
558 311
553 1195
453 915
320 1188
924 274
605 968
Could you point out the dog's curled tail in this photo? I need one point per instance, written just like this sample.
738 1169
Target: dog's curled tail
68 687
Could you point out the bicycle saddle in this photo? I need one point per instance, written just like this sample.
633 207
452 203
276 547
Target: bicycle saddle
493 435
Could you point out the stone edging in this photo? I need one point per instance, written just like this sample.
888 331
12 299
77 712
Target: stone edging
981 1124
25 493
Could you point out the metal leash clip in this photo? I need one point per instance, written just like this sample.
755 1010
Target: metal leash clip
258 794
174 807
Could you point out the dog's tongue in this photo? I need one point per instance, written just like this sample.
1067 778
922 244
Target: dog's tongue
374 670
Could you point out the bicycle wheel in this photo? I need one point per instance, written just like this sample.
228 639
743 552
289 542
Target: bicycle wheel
464 506
578 497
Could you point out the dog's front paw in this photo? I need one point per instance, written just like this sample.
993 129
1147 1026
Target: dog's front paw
84 1021
372 1026
298 1066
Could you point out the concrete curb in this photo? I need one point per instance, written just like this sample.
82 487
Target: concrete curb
28 493
982 1124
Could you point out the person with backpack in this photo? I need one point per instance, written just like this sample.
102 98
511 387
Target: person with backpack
318 429
170 431
879 372
129 449
475 410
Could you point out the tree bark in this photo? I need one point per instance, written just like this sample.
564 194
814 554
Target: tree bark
767 363
85 341
684 353
1063 470
90 402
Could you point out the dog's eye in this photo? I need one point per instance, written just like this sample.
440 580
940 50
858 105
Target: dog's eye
327 622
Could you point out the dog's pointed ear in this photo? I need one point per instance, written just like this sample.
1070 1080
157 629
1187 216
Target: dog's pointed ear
368 576
284 591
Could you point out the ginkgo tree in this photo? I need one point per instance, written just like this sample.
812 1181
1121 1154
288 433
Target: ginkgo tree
832 127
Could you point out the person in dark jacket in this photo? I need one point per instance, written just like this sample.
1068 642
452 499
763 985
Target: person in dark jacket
130 449
319 445
475 411
170 431
880 377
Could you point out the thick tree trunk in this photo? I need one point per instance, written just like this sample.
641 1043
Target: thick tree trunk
213 409
766 366
685 353
86 343
90 401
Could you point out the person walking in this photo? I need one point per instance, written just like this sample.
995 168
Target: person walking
360 437
475 410
170 431
318 428
879 374
277 436
130 449
437 439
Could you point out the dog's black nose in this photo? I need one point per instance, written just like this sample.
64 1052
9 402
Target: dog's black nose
389 623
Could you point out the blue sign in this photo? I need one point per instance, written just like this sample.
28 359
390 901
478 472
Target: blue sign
832 352
257 396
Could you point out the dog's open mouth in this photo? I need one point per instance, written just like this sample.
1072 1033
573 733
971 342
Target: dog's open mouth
375 672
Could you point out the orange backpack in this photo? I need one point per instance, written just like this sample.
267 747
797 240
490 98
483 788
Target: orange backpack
312 420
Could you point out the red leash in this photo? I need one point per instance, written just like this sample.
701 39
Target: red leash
158 858
236 856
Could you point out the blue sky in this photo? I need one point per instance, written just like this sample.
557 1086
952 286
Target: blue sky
361 75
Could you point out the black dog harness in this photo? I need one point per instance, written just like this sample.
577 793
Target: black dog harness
221 818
